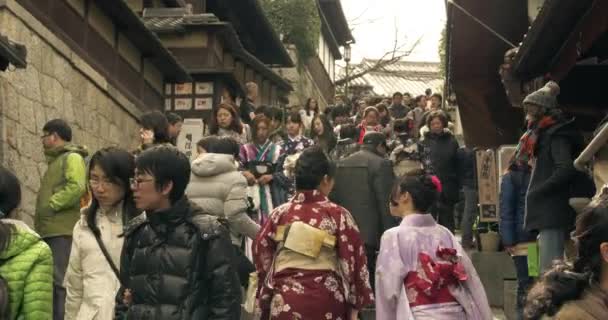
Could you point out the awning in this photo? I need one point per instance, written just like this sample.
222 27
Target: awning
473 58
254 29
555 23
172 23
332 9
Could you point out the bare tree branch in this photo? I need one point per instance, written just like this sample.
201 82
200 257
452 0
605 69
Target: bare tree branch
395 55
396 37
353 25
355 20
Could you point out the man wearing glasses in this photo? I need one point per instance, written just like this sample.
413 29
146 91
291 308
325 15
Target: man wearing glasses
177 261
58 201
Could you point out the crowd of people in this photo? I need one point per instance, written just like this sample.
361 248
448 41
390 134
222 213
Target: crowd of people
301 214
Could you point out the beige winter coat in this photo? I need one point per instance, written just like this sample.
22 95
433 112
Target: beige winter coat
89 280
220 190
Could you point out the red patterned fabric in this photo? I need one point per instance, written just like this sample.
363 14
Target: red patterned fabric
313 294
430 283
363 129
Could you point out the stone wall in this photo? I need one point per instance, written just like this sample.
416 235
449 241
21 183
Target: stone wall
56 84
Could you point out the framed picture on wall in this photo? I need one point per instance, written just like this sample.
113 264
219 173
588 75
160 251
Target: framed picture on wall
203 88
183 89
183 104
489 213
203 103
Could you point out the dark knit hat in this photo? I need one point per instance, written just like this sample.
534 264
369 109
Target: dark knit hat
545 97
374 139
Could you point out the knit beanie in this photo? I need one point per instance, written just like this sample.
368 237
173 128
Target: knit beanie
545 97
370 109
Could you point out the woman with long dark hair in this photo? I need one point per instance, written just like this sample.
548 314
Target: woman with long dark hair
322 133
384 116
226 123
422 271
291 148
311 109
91 279
577 290
309 255
154 130
26 262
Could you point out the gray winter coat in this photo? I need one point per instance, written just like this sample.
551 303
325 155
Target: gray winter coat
364 181
219 189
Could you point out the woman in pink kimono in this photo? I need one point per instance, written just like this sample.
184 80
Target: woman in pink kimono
422 271
309 255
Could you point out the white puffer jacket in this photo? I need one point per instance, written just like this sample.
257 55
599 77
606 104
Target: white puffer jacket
218 188
90 283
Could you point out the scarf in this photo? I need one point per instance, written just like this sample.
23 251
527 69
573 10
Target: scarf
363 129
527 143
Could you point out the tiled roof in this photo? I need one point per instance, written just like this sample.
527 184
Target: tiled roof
171 19
402 76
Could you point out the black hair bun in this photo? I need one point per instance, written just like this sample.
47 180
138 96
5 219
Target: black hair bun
311 167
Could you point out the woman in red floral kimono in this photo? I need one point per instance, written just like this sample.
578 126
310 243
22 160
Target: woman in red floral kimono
309 255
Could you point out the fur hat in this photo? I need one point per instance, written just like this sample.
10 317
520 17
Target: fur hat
545 97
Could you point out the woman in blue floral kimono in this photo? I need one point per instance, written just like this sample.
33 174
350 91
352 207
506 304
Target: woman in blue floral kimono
259 161
291 148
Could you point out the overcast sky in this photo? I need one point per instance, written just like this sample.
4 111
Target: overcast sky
373 24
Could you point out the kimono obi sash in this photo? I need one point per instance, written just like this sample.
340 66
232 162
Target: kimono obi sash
431 283
260 168
303 246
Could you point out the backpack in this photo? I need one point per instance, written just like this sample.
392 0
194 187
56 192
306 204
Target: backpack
85 199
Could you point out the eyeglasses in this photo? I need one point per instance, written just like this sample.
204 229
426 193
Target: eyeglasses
96 183
136 182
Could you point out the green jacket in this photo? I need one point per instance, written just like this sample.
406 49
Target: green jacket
63 184
27 267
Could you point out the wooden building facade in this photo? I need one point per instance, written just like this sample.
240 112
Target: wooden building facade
223 45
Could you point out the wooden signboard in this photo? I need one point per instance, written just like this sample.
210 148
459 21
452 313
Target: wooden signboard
192 132
505 153
487 179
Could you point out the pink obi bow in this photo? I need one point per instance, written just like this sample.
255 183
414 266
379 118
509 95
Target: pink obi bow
438 275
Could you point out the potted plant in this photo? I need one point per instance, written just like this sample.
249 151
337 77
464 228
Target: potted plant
486 236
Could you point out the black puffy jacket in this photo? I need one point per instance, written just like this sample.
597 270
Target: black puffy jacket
440 157
178 265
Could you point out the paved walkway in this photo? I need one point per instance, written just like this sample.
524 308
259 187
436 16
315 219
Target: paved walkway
498 314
